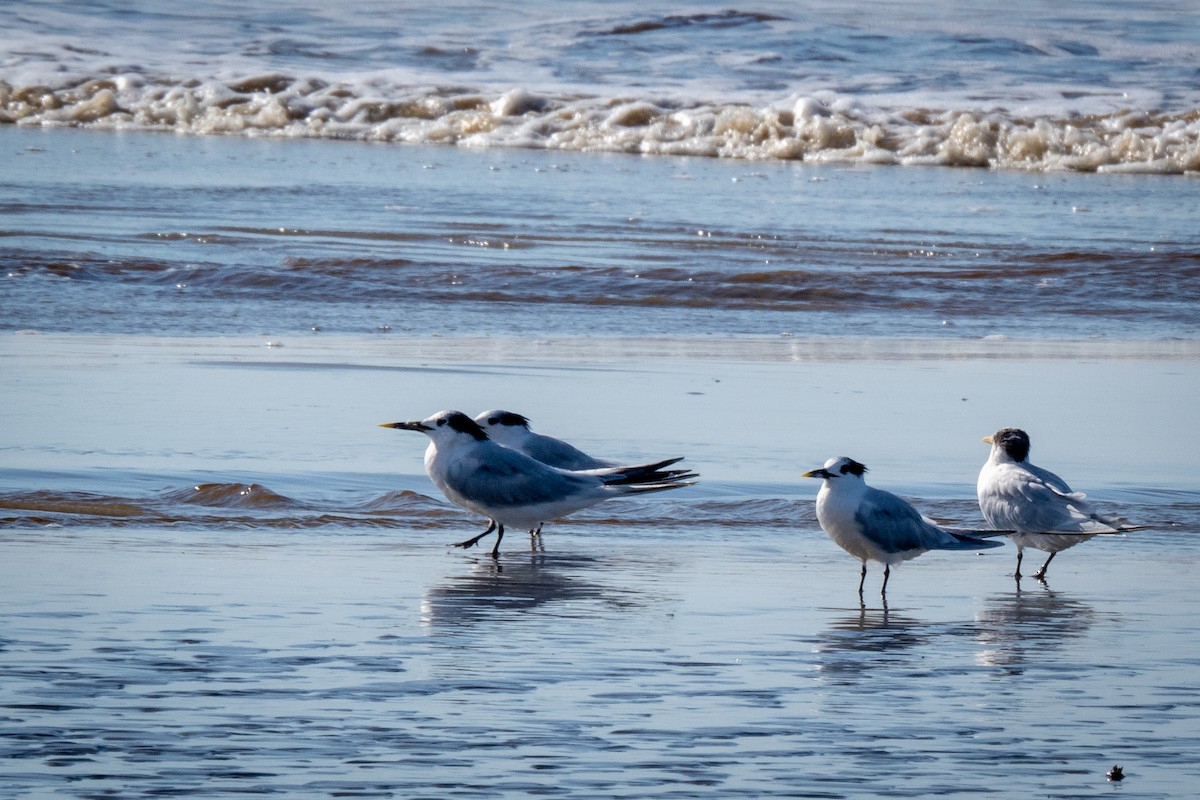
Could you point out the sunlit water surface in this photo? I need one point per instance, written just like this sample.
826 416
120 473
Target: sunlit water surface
221 578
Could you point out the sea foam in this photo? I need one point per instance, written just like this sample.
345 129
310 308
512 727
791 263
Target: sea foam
823 128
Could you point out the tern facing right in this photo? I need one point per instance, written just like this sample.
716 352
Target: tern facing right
1034 502
873 525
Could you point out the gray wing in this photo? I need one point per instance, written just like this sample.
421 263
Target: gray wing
896 526
1030 498
1052 481
501 477
558 453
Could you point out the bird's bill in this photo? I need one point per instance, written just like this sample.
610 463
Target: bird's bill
407 426
817 473
987 440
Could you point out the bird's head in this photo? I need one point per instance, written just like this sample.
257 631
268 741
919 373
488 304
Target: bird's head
496 418
443 427
840 467
1012 442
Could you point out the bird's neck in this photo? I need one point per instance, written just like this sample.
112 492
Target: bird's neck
1001 457
843 490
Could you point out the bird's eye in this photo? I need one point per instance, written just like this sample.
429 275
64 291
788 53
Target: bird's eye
493 420
441 422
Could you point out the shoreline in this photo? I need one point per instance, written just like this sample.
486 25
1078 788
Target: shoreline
585 348
1110 416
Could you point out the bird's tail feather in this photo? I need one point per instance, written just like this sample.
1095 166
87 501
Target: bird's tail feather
654 487
975 533
1110 529
963 542
645 473
657 465
668 476
1118 524
654 466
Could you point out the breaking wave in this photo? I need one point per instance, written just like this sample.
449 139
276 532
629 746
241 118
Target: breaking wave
825 128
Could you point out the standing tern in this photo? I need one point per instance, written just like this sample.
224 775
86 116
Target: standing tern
1035 502
873 525
510 488
512 430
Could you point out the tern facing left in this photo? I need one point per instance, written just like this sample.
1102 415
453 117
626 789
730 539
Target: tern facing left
512 430
873 525
510 488
1034 502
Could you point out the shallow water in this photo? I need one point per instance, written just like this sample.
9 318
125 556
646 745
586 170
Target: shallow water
221 577
148 233
627 663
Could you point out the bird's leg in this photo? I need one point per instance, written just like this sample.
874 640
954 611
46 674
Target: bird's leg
1017 574
475 539
1041 573
887 572
862 580
535 539
499 536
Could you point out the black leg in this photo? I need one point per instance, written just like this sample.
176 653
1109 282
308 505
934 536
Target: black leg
1041 573
887 573
862 580
1017 574
499 536
475 539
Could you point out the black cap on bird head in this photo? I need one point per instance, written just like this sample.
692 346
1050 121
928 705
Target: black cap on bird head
510 418
464 424
1013 441
835 467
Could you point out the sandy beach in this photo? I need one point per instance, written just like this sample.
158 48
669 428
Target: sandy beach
755 410
327 641
235 240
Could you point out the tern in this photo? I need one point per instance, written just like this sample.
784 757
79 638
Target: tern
510 488
1034 502
512 430
873 525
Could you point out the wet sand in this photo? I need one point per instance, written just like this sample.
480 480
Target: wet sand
755 410
712 644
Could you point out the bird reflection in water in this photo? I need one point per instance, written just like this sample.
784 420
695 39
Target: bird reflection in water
865 639
1021 626
494 590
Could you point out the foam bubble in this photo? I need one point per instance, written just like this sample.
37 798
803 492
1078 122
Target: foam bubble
807 128
993 89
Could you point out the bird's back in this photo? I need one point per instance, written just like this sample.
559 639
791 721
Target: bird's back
1024 497
558 453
